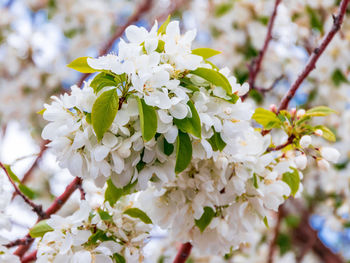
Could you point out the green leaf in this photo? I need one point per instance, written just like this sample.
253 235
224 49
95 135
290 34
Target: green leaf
315 19
104 215
12 174
104 111
327 133
319 111
160 47
41 112
148 119
81 65
216 142
190 125
162 28
102 80
113 194
255 181
338 77
40 229
205 219
186 82
284 243
31 194
205 53
118 258
266 222
138 213
99 235
214 77
293 180
183 152
222 9
168 148
266 118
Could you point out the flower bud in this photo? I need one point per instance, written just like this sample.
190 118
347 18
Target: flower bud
301 161
319 132
323 164
330 154
305 141
293 111
273 108
300 113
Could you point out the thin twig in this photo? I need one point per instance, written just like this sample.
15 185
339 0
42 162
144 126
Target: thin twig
337 21
29 258
280 216
143 8
183 253
36 208
255 66
56 205
18 242
43 148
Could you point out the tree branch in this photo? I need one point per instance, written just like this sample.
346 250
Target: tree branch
143 8
280 147
337 21
56 205
36 208
183 253
255 66
280 216
29 258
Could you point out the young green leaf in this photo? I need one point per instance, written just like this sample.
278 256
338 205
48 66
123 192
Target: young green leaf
148 119
214 77
293 180
186 82
31 194
40 229
319 111
113 194
41 112
104 111
190 125
183 152
205 53
162 28
338 77
266 118
168 148
118 258
216 142
81 65
138 213
102 80
205 219
12 174
104 215
327 133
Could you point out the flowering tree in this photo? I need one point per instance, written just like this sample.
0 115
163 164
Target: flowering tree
162 134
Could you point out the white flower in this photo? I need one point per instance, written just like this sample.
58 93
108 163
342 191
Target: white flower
301 161
305 141
330 154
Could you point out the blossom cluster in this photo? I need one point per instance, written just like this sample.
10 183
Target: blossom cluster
101 235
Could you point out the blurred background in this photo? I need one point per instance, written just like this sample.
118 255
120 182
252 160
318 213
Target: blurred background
38 38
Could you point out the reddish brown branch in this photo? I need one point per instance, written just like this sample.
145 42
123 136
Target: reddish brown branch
183 253
255 66
36 208
36 162
143 8
31 257
18 242
280 216
56 205
337 21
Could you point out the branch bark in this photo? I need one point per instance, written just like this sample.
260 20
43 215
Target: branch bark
183 253
255 66
36 208
272 246
56 205
337 21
